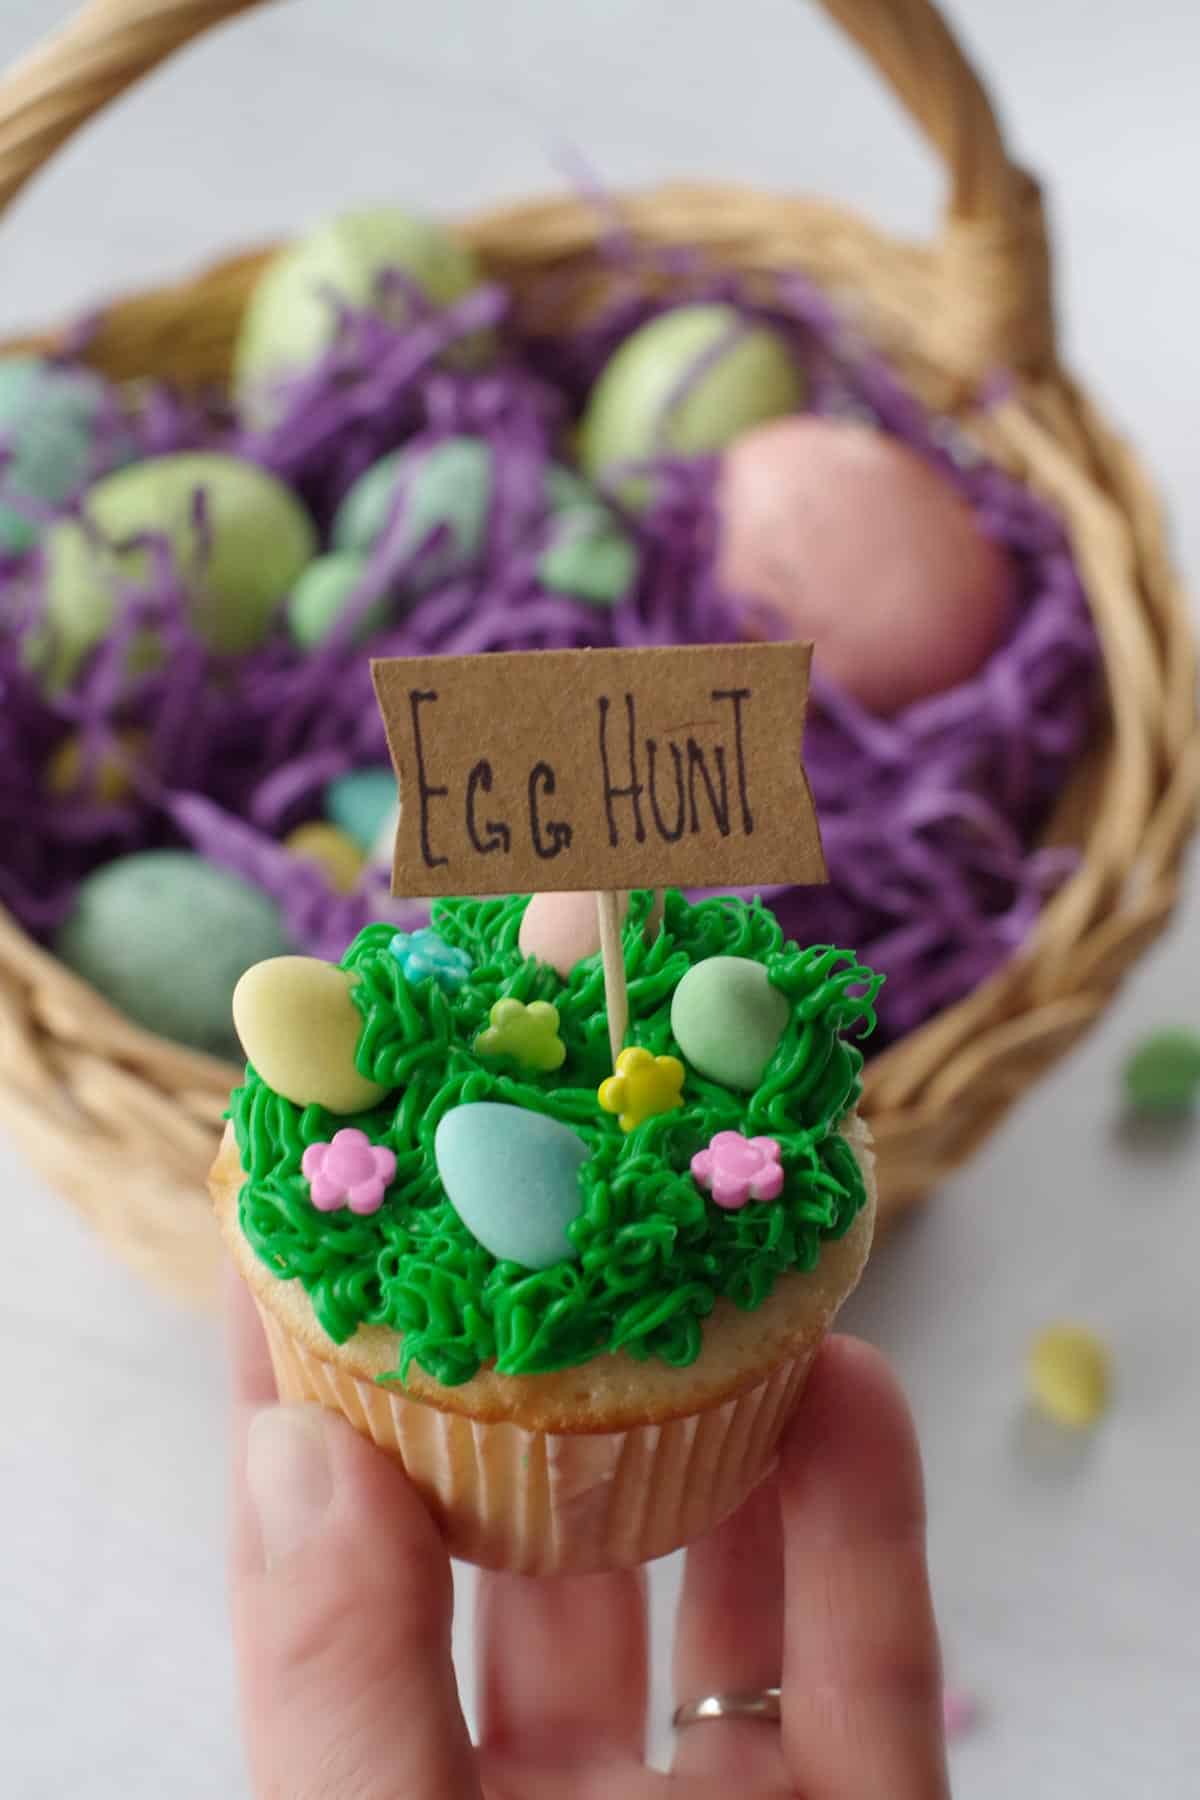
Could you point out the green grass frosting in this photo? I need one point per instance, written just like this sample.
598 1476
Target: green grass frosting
654 1251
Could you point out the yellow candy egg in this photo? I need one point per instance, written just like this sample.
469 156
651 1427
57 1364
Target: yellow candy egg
1070 1375
108 778
336 855
300 1029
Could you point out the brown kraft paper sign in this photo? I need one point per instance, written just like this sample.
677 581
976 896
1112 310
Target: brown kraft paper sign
530 771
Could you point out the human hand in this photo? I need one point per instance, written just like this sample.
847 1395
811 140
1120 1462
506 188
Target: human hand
342 1601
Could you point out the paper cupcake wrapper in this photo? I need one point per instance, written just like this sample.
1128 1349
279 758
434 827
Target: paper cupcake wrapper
542 1503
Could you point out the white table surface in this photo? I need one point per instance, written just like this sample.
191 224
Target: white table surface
1067 1577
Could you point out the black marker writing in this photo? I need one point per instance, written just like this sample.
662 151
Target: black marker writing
697 764
558 832
673 834
416 698
496 833
737 695
633 792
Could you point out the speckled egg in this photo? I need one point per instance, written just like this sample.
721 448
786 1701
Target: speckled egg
727 1020
337 856
512 1176
321 595
71 774
862 546
165 936
300 1028
292 314
688 382
48 421
260 538
360 803
561 929
445 487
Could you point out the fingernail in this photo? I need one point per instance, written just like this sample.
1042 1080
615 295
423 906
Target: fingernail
289 1477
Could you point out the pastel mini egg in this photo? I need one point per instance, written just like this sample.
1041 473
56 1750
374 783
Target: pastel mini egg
336 855
321 595
165 937
1070 1375
588 553
256 539
446 487
300 1028
727 1020
49 419
860 545
561 929
512 1176
70 774
292 314
361 803
1163 1073
686 383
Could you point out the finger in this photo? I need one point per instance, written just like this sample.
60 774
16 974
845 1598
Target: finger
253 1378
729 1639
861 1667
562 1666
342 1603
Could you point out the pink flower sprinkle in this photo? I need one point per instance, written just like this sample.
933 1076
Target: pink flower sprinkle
735 1169
351 1171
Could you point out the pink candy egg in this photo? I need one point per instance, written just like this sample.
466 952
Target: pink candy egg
561 929
857 543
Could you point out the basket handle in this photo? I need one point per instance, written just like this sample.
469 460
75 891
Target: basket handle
990 260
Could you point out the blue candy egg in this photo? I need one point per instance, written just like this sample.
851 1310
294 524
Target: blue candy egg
360 802
512 1176
48 421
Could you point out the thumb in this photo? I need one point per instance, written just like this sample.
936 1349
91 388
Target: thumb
342 1603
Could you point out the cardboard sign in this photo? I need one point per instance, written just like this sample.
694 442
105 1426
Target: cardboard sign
571 769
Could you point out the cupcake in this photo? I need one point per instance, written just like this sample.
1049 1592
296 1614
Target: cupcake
578 1303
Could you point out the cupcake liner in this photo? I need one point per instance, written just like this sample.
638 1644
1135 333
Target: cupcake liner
542 1502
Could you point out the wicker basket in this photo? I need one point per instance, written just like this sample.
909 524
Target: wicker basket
126 1125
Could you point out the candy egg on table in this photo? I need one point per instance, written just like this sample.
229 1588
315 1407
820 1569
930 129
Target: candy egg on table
49 418
323 592
727 1019
256 539
512 1176
858 543
1070 1375
165 936
336 855
300 1028
70 773
292 314
687 383
561 929
360 803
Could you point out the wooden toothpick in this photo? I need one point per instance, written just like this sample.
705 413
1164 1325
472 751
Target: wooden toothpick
616 994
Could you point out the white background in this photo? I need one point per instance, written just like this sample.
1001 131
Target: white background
1067 1576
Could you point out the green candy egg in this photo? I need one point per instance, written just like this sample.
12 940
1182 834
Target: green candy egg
448 486
360 802
165 936
259 539
643 405
727 1020
321 593
48 421
1163 1073
291 317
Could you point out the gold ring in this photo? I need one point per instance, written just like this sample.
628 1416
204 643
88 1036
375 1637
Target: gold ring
759 1703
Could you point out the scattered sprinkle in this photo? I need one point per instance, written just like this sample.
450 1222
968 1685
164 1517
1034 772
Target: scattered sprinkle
1162 1075
1070 1375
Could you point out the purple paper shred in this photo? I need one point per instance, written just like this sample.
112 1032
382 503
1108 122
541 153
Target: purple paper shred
929 818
